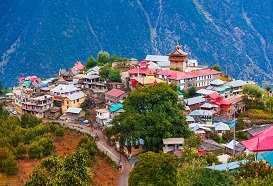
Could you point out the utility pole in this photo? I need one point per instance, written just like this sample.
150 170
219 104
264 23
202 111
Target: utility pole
234 139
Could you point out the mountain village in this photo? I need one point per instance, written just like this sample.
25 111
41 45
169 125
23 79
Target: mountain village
212 110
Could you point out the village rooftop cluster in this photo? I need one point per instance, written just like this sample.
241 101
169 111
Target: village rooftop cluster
211 110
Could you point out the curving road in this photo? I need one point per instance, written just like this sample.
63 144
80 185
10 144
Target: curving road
126 167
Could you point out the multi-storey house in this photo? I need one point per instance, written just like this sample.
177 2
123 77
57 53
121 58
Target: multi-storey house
199 79
39 106
66 95
73 100
29 87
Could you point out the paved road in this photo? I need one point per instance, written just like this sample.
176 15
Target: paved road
126 167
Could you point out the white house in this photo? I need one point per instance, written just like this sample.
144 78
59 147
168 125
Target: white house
102 116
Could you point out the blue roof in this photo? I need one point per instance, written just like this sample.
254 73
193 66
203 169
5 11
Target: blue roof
230 166
267 156
116 107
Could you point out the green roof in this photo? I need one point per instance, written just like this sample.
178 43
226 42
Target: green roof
116 107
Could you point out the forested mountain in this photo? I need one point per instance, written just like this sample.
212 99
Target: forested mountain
40 37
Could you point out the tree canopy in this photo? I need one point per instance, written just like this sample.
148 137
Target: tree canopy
155 169
152 113
56 170
254 93
114 75
216 67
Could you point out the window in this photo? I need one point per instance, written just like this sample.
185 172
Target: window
78 100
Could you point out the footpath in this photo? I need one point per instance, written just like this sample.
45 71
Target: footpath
104 146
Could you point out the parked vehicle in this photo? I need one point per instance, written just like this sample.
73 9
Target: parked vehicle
84 122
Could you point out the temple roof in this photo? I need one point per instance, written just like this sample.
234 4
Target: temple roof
178 52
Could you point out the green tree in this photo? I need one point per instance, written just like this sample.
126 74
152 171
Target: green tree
155 169
91 62
193 141
21 150
8 164
114 75
60 132
28 120
103 57
57 170
254 93
152 113
88 144
213 177
253 169
114 58
216 67
104 71
3 112
192 91
189 172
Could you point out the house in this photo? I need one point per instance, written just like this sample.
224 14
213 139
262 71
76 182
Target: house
199 79
115 96
29 87
231 166
162 61
74 114
201 130
259 144
54 113
230 146
210 145
195 102
204 92
132 148
145 81
73 100
202 116
39 106
62 91
64 75
76 69
211 107
190 119
102 116
236 87
221 128
89 80
171 144
220 87
225 105
116 109
255 129
267 156
142 70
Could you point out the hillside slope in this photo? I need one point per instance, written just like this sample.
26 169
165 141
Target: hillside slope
39 38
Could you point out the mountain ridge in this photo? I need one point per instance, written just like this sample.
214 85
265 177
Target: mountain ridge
39 38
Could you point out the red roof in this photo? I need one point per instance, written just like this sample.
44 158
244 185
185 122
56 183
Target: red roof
222 102
267 132
214 96
177 75
32 78
141 71
143 64
115 92
21 78
259 144
79 65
